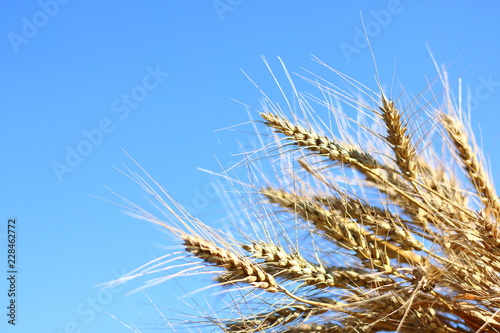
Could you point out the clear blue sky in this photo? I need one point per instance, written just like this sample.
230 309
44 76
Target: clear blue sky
157 79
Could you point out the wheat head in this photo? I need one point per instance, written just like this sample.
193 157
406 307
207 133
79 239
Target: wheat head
394 229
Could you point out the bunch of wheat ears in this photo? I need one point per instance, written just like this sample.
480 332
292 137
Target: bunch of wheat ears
393 228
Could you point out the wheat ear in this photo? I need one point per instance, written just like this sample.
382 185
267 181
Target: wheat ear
380 236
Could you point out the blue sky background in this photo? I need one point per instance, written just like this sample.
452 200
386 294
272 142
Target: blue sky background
65 68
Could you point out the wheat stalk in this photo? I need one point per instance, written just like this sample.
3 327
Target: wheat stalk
386 235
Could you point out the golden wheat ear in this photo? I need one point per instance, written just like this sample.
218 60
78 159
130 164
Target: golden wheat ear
393 228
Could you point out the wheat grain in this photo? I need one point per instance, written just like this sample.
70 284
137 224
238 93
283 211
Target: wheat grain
477 176
283 316
295 267
397 138
382 222
315 142
345 232
242 269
